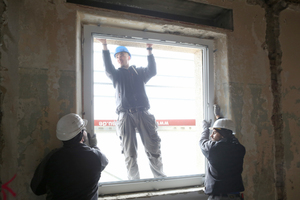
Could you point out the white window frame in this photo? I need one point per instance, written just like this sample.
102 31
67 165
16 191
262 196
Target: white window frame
88 108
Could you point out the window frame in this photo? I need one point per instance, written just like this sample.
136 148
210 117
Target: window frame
89 31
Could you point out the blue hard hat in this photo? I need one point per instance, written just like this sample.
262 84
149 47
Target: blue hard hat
121 49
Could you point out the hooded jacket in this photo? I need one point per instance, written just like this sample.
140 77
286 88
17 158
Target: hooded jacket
70 172
225 164
130 83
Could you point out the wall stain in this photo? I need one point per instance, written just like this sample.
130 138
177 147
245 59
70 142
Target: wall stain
288 141
33 84
259 115
2 143
45 135
275 56
67 88
263 178
286 91
33 102
237 102
34 106
223 99
272 13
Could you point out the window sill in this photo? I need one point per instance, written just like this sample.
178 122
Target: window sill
200 190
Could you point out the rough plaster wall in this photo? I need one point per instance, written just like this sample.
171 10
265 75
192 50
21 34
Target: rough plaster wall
221 71
262 78
255 97
38 52
275 55
250 101
38 86
248 87
2 90
7 94
273 10
290 45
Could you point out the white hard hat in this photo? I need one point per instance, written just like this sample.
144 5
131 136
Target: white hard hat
69 126
224 123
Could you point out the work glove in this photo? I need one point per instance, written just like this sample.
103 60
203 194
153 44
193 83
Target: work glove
217 110
92 139
206 124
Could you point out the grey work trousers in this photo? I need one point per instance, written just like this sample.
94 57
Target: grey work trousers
211 197
145 124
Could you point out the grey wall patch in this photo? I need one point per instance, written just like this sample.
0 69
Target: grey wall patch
33 100
259 115
67 96
237 102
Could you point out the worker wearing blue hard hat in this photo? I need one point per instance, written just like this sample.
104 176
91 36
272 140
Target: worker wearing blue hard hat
121 49
132 108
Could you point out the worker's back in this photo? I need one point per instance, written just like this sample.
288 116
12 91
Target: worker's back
225 167
73 172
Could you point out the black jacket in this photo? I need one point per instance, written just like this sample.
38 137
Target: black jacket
225 164
70 172
130 83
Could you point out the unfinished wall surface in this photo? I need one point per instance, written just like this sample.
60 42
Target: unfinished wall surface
37 84
291 97
40 80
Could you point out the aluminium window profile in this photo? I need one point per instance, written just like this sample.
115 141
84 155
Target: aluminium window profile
155 184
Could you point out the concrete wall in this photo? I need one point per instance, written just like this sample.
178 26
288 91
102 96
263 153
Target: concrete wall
39 83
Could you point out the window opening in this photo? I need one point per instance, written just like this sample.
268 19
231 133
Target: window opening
173 102
179 100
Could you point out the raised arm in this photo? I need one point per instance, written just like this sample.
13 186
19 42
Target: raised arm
104 43
109 68
149 48
205 143
150 70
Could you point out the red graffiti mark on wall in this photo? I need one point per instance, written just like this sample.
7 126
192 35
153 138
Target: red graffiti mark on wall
5 187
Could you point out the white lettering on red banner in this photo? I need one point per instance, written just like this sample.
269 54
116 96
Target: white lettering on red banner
163 122
107 124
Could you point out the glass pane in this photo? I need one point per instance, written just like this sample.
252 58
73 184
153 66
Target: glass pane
173 102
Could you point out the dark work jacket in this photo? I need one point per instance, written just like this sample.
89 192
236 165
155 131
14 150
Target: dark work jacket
70 172
130 83
225 164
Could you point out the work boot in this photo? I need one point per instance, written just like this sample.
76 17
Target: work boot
217 111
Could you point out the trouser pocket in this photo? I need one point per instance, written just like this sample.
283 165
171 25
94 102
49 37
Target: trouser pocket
120 128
